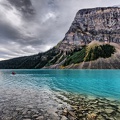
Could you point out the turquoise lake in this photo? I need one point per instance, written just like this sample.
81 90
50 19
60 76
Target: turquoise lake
99 83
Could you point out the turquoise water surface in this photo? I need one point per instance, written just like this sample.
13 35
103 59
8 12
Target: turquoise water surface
102 83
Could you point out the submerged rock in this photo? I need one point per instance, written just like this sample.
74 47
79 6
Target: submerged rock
108 111
91 109
40 118
91 116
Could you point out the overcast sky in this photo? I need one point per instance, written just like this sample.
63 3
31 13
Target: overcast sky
20 36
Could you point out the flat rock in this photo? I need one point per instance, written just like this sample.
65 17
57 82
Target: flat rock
64 118
65 112
92 116
19 109
108 111
40 118
27 119
30 106
34 116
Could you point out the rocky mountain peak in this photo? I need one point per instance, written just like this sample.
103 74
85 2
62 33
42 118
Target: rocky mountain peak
101 24
92 42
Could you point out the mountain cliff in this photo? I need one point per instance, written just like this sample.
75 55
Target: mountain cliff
91 42
101 24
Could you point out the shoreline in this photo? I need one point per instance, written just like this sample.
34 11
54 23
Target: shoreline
84 107
63 106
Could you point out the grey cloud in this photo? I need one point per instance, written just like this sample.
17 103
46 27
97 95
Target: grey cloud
22 35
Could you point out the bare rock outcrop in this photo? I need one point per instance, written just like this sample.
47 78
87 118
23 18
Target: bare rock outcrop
101 24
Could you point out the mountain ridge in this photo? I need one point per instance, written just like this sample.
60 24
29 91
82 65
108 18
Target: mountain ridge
95 24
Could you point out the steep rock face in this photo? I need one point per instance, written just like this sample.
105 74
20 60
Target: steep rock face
101 24
97 24
25 6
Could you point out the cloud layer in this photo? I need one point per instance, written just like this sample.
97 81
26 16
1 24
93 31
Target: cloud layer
23 34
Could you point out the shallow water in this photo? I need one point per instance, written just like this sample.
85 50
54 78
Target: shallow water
102 83
31 92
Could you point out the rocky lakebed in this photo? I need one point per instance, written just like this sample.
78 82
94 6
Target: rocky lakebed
66 106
